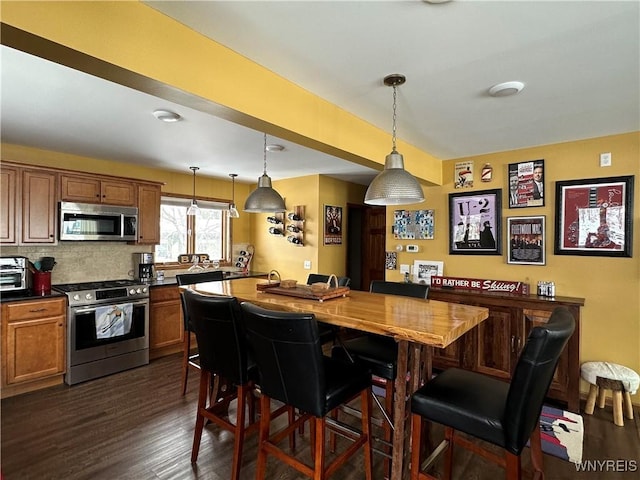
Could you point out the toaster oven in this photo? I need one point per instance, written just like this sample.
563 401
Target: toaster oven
14 274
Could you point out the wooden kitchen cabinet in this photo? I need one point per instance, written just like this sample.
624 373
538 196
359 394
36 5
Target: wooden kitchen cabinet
28 206
494 346
33 344
149 214
96 189
166 326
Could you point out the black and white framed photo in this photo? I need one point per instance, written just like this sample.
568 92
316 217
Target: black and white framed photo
526 236
595 217
526 184
475 223
423 270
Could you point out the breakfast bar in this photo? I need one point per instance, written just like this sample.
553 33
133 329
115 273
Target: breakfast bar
417 325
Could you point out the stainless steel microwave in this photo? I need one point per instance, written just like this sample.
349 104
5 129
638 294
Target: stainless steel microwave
87 221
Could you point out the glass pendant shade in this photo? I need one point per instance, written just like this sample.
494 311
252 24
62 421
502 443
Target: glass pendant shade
193 208
264 199
394 185
233 211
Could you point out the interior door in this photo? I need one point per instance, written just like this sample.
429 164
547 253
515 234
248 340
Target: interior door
366 245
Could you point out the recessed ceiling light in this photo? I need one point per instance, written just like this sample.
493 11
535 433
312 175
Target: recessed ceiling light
505 89
167 116
274 148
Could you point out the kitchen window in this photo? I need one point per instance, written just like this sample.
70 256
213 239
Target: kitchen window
207 232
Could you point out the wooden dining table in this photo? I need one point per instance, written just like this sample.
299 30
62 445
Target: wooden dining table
418 325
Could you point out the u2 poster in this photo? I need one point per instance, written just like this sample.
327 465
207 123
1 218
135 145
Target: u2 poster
475 223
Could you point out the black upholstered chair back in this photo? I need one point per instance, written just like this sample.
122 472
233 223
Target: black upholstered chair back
319 278
217 324
190 279
416 290
288 353
532 377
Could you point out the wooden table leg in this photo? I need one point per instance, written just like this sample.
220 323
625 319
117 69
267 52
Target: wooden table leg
399 412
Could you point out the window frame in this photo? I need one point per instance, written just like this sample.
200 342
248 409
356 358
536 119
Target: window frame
203 202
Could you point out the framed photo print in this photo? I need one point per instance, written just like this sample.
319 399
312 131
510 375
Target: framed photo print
594 217
332 225
526 236
475 223
424 269
526 184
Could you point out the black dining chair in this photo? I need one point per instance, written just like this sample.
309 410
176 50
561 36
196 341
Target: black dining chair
380 353
190 360
215 320
293 370
503 414
328 333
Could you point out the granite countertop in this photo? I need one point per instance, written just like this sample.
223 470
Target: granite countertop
227 276
28 295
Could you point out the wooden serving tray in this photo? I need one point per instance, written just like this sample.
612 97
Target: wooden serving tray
306 292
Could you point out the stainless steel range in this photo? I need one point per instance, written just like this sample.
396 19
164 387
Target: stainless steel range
108 328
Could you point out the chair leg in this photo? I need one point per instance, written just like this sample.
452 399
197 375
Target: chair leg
416 442
318 450
628 408
263 436
514 470
186 347
449 435
291 413
202 404
591 399
535 444
243 393
388 431
365 397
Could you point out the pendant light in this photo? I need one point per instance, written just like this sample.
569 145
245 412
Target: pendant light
233 211
193 208
264 199
394 185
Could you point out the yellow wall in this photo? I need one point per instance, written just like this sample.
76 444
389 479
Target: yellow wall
611 286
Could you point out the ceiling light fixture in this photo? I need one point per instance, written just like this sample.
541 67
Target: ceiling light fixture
233 211
264 199
505 89
167 116
193 208
394 185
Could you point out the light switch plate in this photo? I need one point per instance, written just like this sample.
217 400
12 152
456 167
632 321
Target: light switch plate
405 268
307 264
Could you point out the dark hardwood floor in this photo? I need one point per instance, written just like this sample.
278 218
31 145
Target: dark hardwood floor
135 425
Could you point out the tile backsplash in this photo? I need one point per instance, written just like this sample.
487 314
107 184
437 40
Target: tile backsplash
84 261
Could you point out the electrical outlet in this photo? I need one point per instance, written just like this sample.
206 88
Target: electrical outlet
605 159
405 268
307 264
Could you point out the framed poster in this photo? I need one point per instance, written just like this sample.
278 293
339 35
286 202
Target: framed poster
423 270
332 225
526 184
526 236
594 217
413 224
475 223
463 176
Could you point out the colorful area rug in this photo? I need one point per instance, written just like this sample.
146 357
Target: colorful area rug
562 434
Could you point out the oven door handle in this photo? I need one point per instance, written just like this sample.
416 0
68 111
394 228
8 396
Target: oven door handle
93 309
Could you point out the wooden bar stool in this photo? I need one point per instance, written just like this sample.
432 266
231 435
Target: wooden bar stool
620 380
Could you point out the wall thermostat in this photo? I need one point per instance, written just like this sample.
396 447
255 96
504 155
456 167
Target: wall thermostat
412 248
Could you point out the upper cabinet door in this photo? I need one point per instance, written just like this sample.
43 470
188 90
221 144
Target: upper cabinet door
38 207
74 188
8 189
149 214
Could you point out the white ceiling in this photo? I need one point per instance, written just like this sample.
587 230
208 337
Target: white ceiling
579 60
